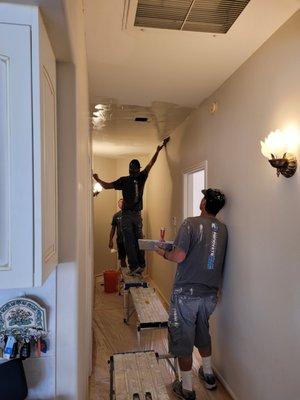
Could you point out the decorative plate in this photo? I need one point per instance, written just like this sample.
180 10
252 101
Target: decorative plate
22 314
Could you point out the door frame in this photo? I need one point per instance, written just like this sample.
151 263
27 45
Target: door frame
202 166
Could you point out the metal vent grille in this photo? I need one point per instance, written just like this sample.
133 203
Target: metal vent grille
215 16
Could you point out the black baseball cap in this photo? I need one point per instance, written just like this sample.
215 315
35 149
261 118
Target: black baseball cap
134 165
214 197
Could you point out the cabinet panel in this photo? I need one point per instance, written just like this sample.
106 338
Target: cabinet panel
49 186
4 164
16 157
28 167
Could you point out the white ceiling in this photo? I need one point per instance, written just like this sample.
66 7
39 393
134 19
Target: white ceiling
139 67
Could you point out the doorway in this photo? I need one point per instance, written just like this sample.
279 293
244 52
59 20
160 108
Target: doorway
194 181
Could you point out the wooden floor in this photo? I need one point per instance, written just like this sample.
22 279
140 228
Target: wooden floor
111 336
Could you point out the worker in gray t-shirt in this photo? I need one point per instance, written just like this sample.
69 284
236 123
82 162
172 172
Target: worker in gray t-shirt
199 249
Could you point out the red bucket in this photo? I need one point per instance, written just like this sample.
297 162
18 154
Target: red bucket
111 281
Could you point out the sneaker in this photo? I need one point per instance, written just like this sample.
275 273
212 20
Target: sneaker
208 379
137 272
182 393
134 272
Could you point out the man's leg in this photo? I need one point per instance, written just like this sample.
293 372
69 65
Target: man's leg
138 231
182 317
205 353
203 340
122 254
185 365
129 240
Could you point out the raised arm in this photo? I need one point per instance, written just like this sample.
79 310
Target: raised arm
154 158
105 185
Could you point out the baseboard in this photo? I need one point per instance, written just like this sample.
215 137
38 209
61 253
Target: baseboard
166 302
225 384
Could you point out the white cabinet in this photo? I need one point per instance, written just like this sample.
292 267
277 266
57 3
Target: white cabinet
28 167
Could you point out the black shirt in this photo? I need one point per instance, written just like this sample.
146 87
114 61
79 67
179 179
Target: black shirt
132 190
116 221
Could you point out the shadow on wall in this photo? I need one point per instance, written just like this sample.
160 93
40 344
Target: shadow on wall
165 201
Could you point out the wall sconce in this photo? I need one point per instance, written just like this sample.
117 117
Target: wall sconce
97 188
280 149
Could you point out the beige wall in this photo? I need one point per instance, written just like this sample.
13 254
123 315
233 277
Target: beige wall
104 208
105 205
256 330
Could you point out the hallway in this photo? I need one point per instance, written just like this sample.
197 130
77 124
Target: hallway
111 336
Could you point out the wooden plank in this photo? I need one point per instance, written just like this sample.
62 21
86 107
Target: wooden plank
148 306
138 373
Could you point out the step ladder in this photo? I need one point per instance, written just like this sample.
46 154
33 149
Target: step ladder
136 376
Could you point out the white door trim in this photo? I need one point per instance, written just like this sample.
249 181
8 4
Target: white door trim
202 166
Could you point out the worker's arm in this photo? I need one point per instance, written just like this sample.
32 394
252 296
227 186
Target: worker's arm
181 245
176 255
154 158
111 237
105 185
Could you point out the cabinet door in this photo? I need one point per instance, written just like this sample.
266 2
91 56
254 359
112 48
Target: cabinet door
48 153
16 157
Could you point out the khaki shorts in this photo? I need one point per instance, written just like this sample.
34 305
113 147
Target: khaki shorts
188 322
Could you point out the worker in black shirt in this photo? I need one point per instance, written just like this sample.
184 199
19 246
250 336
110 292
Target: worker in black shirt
132 187
116 226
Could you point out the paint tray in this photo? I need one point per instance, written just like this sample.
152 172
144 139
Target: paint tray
151 245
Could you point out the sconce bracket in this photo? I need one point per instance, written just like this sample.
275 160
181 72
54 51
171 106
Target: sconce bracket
285 166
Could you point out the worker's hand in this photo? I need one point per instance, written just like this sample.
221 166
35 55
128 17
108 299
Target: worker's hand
95 176
110 244
159 250
166 141
164 144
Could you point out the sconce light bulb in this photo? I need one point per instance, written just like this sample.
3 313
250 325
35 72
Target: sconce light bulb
276 145
97 188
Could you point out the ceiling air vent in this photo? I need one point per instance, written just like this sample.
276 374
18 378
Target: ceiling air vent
141 119
215 16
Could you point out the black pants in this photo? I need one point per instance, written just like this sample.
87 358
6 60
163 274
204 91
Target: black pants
132 229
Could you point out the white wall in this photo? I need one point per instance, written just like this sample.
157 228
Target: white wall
256 330
66 367
67 294
82 275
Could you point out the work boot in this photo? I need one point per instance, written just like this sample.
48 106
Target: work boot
208 379
182 393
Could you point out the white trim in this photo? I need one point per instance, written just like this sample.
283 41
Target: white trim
225 384
8 266
202 166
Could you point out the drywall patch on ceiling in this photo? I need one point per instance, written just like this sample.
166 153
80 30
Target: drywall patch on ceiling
118 131
164 117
